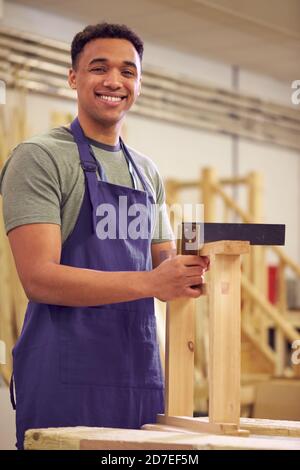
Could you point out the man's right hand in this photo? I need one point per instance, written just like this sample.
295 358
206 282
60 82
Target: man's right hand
174 277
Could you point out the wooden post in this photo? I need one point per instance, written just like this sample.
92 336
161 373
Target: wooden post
224 339
246 301
209 178
172 200
280 341
179 354
180 336
179 365
257 259
255 181
171 187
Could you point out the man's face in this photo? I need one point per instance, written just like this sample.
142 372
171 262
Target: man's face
107 79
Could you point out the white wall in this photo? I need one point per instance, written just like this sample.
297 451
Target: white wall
39 109
36 22
179 152
281 170
264 87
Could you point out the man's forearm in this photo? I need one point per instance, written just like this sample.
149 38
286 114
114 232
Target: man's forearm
75 287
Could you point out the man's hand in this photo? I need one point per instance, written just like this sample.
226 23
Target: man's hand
180 276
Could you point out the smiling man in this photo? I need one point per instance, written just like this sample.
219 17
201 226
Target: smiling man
88 352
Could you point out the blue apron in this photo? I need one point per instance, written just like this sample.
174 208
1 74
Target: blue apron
92 366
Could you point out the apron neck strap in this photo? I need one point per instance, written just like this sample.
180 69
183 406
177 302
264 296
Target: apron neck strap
132 164
88 159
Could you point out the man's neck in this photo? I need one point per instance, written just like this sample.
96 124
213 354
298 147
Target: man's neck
106 135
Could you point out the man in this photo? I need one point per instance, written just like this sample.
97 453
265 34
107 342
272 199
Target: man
88 352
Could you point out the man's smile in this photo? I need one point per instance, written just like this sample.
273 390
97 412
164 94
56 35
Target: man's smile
110 99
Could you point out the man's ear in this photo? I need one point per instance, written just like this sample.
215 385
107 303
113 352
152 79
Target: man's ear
72 79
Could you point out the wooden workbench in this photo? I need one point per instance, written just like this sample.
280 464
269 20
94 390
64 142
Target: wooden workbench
84 438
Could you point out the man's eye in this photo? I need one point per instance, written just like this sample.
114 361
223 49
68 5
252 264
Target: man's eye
128 73
98 69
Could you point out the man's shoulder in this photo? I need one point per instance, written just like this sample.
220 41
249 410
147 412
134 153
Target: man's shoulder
55 147
52 151
57 137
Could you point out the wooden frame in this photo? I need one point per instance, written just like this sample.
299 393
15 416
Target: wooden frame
224 354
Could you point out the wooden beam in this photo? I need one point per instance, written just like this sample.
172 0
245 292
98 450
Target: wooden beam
267 427
225 247
198 425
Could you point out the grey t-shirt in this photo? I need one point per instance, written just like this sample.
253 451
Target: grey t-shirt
43 182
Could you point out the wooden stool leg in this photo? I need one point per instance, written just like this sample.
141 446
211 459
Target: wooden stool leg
224 339
179 368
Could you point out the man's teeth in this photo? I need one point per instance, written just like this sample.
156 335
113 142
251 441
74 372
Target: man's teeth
110 98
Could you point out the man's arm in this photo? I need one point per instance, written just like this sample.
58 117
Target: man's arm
37 250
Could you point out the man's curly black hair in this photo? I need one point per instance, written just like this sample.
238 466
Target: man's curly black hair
104 30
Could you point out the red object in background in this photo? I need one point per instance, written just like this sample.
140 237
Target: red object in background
272 283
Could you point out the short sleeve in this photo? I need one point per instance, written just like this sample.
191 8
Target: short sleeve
30 186
162 231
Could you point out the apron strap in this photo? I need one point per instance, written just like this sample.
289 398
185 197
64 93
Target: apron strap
12 392
153 210
85 154
89 164
132 164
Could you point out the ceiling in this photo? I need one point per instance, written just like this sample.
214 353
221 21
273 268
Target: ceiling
259 35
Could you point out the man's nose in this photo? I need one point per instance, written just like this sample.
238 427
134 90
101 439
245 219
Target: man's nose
112 79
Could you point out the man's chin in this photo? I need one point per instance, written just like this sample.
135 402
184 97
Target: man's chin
108 121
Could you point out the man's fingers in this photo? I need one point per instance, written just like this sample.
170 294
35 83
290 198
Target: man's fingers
206 260
193 292
194 280
195 270
190 260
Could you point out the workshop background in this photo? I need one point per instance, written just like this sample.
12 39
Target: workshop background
220 116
